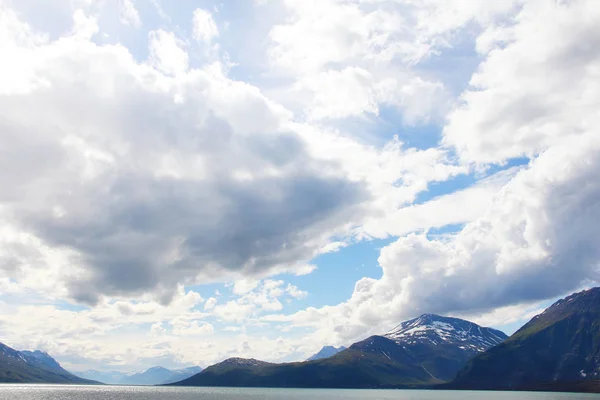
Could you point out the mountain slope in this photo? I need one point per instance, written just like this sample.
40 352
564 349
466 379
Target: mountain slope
326 352
417 352
443 345
33 367
347 369
557 348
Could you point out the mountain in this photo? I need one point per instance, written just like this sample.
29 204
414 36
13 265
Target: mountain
558 348
326 352
423 351
152 376
110 377
181 374
33 367
443 345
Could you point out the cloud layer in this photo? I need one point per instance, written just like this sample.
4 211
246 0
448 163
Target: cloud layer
537 238
145 156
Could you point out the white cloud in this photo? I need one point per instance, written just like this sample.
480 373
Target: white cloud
184 327
128 14
205 28
91 332
295 292
141 143
349 58
84 26
536 88
338 94
243 286
308 268
520 313
210 303
149 142
537 238
157 328
167 53
255 299
466 205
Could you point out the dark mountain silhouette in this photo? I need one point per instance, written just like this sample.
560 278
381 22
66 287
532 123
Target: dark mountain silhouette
560 348
33 367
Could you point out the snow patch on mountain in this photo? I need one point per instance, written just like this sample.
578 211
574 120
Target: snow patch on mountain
244 362
435 329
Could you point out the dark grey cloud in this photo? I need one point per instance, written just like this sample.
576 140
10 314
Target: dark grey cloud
146 191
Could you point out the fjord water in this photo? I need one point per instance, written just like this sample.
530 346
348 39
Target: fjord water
62 392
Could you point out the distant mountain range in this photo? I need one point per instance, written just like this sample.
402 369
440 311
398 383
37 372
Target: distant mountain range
427 350
39 367
560 348
326 352
151 376
33 367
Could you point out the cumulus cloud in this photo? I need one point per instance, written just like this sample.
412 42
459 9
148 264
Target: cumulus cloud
537 241
350 59
167 53
205 28
536 87
183 327
295 292
142 180
257 298
534 242
210 303
537 238
146 175
129 14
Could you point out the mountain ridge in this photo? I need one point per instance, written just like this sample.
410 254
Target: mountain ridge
375 362
156 375
558 347
34 367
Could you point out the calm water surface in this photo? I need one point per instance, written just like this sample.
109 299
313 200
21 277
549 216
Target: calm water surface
57 392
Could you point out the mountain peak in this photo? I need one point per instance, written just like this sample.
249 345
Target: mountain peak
326 352
156 369
243 362
40 358
586 301
435 329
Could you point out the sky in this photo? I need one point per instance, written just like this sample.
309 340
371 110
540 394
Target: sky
186 181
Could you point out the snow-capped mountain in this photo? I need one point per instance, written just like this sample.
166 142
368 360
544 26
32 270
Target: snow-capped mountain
242 362
326 352
435 329
426 350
